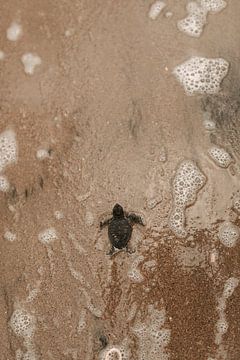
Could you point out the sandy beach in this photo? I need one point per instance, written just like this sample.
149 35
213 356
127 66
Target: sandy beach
92 113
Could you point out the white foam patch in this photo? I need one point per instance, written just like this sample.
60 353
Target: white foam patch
156 9
150 265
9 236
14 32
220 156
30 355
186 184
213 5
228 234
47 236
90 306
201 75
134 273
8 149
2 55
221 307
135 276
4 183
18 354
42 154
132 312
222 325
229 287
33 292
113 353
193 24
30 61
153 338
22 323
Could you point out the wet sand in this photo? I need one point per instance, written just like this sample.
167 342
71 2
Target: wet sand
116 124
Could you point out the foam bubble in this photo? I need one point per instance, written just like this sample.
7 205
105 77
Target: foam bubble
82 321
222 325
228 234
22 323
8 148
186 184
208 123
30 61
42 154
69 32
14 32
4 183
89 218
47 236
114 353
229 286
236 203
156 9
169 14
214 256
58 215
220 156
201 75
9 236
150 265
135 276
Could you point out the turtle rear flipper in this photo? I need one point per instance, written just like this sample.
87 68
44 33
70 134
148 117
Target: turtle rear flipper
111 251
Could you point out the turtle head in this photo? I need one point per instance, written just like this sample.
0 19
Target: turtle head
118 211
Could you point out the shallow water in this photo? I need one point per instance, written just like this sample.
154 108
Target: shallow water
101 118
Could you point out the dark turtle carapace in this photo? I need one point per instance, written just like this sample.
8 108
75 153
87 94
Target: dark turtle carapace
120 227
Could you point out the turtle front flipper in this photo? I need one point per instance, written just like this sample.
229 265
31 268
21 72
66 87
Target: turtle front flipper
105 223
135 218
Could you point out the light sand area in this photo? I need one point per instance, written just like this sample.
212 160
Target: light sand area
100 118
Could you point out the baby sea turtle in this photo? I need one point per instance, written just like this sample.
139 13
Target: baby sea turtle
120 228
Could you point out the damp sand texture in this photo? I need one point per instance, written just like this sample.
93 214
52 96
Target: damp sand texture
130 102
